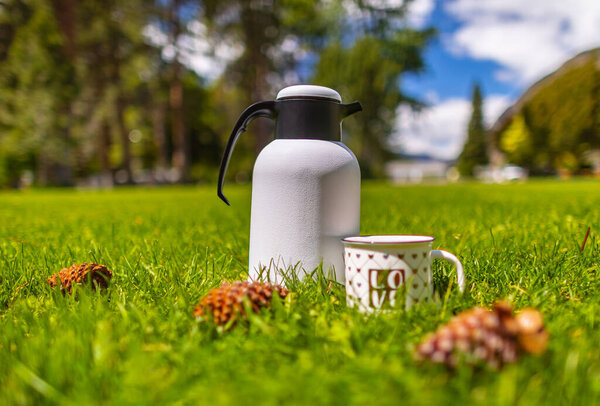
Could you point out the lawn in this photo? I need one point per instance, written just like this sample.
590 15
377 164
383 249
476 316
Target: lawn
140 344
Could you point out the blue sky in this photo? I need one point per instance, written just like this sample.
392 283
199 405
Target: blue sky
504 45
448 75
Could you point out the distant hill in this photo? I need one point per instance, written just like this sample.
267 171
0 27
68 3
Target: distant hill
555 124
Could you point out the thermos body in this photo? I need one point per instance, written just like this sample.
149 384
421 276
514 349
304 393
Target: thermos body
305 185
305 199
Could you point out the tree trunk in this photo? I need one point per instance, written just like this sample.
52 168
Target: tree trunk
124 135
103 146
180 144
66 16
99 125
261 127
120 109
42 169
64 169
160 136
181 154
254 17
65 13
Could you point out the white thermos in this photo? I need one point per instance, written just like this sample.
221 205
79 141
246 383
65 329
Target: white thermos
305 185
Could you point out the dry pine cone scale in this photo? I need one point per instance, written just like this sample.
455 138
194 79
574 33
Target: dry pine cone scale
226 303
80 274
493 337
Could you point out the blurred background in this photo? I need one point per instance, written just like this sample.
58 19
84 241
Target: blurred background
97 93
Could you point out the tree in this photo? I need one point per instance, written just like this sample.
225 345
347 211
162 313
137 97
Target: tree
36 90
173 19
370 70
516 141
111 59
176 21
85 91
558 119
261 30
475 149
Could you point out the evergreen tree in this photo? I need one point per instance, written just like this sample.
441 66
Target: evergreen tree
475 149
370 70
261 29
85 91
36 90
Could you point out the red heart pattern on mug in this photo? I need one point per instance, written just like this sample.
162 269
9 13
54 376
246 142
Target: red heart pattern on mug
414 263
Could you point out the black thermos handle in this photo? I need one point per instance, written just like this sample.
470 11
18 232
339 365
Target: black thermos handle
260 109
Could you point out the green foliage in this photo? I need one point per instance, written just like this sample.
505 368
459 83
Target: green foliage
205 123
80 79
370 70
264 65
475 149
139 343
35 83
562 120
516 141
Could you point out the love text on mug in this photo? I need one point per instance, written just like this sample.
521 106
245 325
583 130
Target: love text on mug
383 286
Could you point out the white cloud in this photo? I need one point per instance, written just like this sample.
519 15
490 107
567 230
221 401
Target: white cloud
440 130
196 51
419 12
527 38
208 58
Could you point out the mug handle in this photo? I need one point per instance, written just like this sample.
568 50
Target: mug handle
460 275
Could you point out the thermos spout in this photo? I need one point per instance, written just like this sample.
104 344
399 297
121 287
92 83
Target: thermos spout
350 108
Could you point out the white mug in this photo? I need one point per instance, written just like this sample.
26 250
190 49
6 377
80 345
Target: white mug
378 266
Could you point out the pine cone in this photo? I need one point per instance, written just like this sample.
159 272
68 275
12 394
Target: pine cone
226 303
100 275
493 337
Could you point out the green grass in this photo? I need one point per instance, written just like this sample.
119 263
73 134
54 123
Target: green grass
139 343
